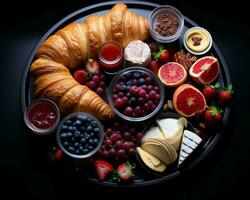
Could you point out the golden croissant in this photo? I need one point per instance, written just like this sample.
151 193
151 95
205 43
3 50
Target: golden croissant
70 47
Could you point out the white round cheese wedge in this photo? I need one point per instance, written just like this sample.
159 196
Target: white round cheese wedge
137 53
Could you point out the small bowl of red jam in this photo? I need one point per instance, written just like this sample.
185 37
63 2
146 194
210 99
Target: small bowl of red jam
111 57
166 24
42 116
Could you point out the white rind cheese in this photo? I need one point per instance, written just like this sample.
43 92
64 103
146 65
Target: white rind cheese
190 141
137 53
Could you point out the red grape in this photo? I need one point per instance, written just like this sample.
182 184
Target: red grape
114 137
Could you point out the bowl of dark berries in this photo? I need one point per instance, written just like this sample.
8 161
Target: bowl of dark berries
80 135
135 94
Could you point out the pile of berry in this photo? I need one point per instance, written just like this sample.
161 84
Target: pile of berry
120 142
136 94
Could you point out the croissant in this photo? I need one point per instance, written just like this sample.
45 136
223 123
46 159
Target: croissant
70 47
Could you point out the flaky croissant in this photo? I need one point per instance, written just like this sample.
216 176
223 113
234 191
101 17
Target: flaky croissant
70 47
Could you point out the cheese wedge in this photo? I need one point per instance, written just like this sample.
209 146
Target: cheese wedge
158 151
168 126
190 142
153 132
151 161
172 129
172 154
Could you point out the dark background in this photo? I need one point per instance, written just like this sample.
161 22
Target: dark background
224 173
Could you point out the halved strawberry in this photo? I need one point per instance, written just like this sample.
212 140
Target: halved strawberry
92 66
102 169
81 76
124 171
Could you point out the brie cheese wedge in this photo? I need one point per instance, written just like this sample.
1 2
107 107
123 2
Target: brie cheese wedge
190 142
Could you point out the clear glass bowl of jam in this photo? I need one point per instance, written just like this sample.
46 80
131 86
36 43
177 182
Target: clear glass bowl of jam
111 57
42 116
166 24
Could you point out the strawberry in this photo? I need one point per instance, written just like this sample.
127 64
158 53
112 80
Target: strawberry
102 169
213 115
92 66
80 76
226 94
162 55
154 66
209 91
125 171
59 155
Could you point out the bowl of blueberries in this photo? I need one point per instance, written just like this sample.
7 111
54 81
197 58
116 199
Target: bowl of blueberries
135 94
80 135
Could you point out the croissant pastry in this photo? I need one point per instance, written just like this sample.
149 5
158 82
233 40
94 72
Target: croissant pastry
70 47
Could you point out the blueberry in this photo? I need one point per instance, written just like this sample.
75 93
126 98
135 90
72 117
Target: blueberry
71 149
91 141
82 128
123 88
95 141
92 134
83 140
77 123
136 74
73 139
129 83
65 144
63 135
93 124
141 81
96 130
128 94
89 120
77 152
128 75
90 147
86 136
89 128
69 134
79 117
77 134
71 128
76 145
68 122
85 151
81 135
133 101
64 127
81 148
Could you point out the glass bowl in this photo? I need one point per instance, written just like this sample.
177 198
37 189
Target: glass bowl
39 112
166 9
78 132
205 34
126 73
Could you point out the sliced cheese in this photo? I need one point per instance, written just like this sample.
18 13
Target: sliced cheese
151 161
168 126
153 132
190 141
160 149
173 130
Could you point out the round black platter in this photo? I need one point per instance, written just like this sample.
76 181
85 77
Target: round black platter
144 9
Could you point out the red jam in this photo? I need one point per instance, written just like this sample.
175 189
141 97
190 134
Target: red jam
111 56
42 115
